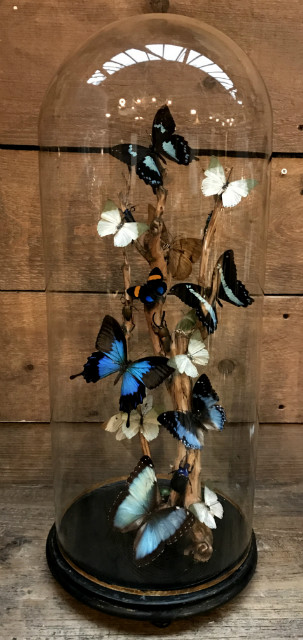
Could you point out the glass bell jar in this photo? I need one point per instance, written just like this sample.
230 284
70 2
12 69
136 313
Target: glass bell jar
155 145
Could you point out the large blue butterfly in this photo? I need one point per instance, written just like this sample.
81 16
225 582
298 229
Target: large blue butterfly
111 357
140 508
165 144
206 414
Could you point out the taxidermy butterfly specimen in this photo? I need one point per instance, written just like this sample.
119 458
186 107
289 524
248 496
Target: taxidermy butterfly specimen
120 224
225 286
111 357
208 510
206 414
182 254
216 184
196 354
165 144
141 508
150 292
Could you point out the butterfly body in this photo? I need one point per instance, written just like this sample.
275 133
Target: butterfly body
206 414
111 357
140 508
152 291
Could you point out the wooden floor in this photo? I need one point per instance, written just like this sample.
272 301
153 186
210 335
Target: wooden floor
271 607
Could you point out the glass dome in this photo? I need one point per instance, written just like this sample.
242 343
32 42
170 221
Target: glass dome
154 168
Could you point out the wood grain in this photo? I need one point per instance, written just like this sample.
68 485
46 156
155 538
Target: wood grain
38 37
23 369
36 607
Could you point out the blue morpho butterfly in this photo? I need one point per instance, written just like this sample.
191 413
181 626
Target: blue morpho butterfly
225 286
140 508
180 478
111 357
165 144
206 414
150 292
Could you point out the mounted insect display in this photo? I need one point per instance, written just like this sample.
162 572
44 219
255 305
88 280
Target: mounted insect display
153 187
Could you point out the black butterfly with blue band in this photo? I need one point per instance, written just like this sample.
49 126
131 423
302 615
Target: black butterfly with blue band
152 290
140 508
225 286
165 144
206 414
111 357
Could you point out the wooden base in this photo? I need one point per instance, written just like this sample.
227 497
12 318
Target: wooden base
99 570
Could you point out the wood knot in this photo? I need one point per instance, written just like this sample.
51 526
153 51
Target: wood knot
226 366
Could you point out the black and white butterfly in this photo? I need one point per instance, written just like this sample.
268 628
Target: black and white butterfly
141 508
152 290
206 414
193 295
231 289
165 144
216 184
111 357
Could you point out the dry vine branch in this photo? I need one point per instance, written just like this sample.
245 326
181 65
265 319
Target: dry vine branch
211 229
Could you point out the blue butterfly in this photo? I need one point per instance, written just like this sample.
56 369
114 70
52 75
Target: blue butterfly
140 508
165 142
206 414
111 357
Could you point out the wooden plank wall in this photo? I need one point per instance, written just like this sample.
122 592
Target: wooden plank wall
36 38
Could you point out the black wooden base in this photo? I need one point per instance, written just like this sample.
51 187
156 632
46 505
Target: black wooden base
99 571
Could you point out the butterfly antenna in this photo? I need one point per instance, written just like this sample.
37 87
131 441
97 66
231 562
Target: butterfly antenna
76 375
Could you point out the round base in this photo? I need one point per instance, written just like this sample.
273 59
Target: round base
106 579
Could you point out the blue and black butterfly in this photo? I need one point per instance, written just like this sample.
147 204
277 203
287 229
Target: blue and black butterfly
152 290
165 144
180 478
140 508
206 414
111 357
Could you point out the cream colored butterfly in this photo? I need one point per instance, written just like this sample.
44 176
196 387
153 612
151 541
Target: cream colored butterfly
208 510
123 227
216 184
196 354
143 420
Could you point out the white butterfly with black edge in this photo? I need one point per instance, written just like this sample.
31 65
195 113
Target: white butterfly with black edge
196 354
140 508
208 510
122 227
216 184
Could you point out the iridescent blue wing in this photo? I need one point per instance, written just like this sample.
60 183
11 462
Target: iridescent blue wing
205 407
184 426
147 372
145 161
140 498
231 289
191 294
166 142
163 527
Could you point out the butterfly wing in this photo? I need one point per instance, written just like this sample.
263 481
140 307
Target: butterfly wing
215 179
129 231
183 364
150 292
237 190
183 253
231 290
147 372
190 294
163 527
200 510
166 142
145 161
196 349
211 500
183 426
141 497
111 340
204 399
110 219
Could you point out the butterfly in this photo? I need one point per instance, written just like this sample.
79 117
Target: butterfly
140 508
111 357
180 478
230 288
150 292
206 414
182 254
191 294
208 510
216 184
165 144
142 420
122 227
196 354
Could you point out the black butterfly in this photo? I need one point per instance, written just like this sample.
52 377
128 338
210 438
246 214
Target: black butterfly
165 144
150 292
206 414
225 286
140 508
111 357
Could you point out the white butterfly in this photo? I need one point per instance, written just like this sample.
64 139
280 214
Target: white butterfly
196 353
208 510
143 419
216 184
112 223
